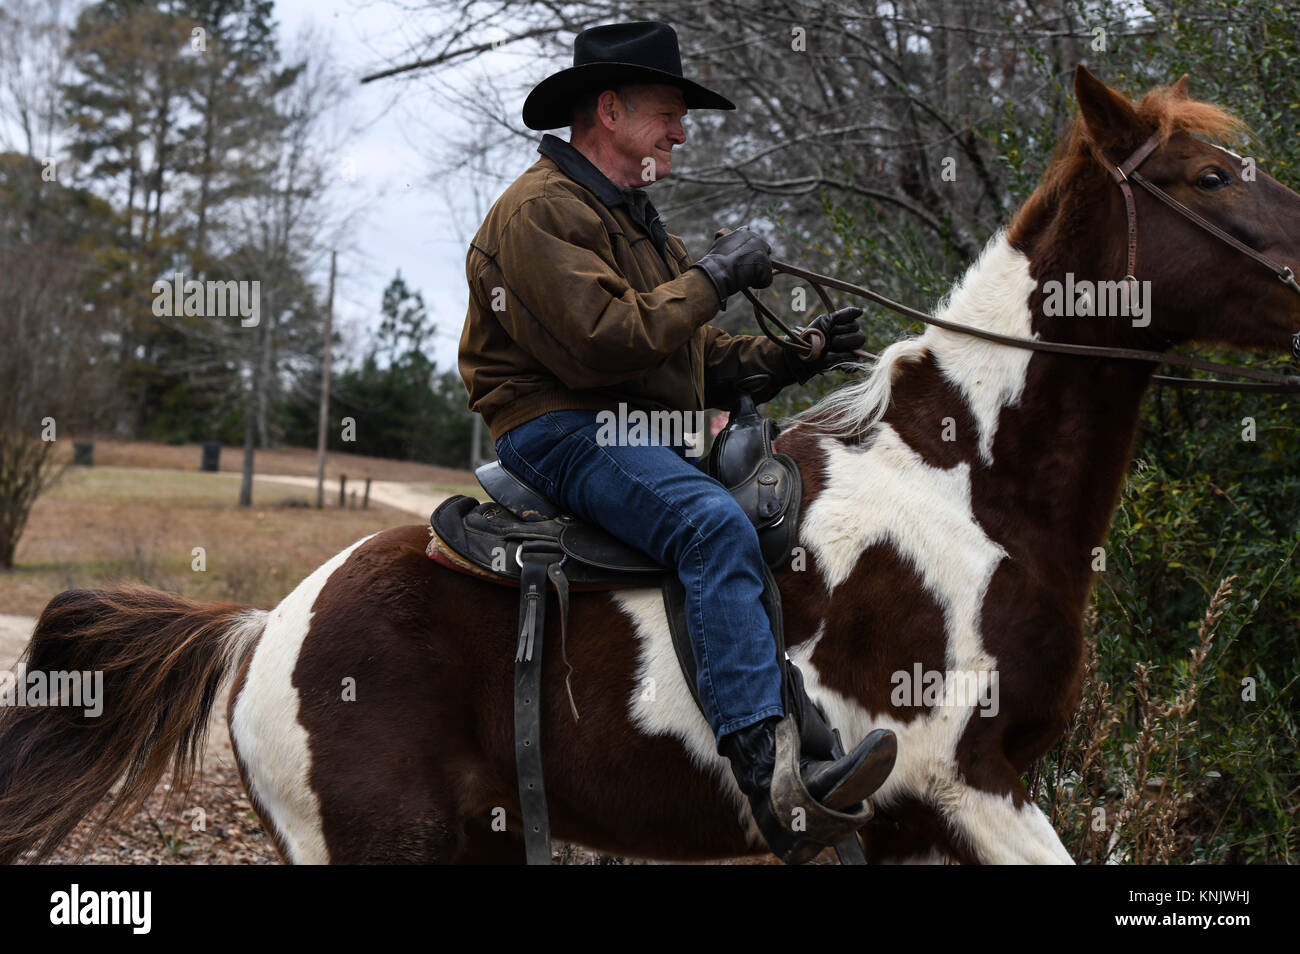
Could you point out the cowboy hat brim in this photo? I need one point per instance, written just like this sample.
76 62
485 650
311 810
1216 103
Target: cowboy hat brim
550 104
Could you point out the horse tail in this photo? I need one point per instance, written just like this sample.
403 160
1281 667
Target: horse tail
160 662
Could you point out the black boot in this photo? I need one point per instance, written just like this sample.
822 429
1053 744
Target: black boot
840 785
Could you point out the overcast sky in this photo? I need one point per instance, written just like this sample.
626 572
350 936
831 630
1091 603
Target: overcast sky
404 221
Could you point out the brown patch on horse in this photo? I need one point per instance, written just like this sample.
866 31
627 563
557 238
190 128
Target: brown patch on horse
861 650
931 416
1047 499
910 830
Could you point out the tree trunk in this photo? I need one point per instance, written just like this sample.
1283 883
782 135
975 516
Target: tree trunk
250 441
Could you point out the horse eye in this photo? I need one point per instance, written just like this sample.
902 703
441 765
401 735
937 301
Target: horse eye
1212 179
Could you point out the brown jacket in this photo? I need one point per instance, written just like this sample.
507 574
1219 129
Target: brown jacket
572 305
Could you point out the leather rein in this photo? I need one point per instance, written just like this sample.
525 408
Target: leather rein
808 343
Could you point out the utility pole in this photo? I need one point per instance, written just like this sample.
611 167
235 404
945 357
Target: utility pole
325 393
476 441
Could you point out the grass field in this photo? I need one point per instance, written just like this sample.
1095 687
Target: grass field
106 525
295 461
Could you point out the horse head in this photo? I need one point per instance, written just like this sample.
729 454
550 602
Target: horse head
1191 284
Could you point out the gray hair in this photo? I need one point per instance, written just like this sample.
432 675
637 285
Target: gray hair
583 113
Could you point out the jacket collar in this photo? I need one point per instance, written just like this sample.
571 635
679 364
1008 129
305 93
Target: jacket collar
582 171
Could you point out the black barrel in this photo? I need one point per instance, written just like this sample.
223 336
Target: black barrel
211 457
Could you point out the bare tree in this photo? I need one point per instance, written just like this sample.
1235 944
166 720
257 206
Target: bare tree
33 65
282 234
910 121
50 380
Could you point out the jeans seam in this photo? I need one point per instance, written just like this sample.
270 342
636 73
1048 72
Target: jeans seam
540 478
549 417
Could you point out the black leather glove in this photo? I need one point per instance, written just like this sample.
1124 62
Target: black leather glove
737 260
843 337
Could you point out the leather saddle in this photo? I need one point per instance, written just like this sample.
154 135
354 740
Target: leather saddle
489 536
520 538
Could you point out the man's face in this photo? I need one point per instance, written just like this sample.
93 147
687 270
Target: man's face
650 126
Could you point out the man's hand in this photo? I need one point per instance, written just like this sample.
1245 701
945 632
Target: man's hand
843 338
737 260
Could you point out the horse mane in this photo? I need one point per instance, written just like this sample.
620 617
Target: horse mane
860 405
1165 110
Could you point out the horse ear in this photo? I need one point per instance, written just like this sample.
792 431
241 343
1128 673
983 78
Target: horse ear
1180 88
1107 115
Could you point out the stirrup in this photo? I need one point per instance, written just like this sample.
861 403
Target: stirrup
797 811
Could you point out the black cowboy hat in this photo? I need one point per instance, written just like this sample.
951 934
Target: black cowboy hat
616 55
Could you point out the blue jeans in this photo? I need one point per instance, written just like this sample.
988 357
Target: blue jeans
653 498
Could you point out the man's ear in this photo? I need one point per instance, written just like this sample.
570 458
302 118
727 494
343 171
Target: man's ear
1108 116
608 107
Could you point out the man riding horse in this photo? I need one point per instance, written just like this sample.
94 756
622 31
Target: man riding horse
582 302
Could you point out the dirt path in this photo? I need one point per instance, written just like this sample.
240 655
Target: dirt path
413 498
410 498
14 633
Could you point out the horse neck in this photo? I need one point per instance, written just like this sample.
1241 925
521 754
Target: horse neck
1046 439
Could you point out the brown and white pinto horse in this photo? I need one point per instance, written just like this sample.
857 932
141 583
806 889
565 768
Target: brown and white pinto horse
952 501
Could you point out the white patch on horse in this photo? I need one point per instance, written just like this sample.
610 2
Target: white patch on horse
268 737
993 295
997 831
884 492
662 703
1240 159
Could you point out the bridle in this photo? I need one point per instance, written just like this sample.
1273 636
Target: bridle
808 343
1127 171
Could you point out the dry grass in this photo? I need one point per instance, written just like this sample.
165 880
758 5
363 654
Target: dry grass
296 461
101 526
1130 812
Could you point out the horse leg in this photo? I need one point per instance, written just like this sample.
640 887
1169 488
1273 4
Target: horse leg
999 827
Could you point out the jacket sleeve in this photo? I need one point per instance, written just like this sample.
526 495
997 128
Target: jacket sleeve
568 306
728 358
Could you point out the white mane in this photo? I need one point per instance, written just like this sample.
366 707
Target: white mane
993 294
